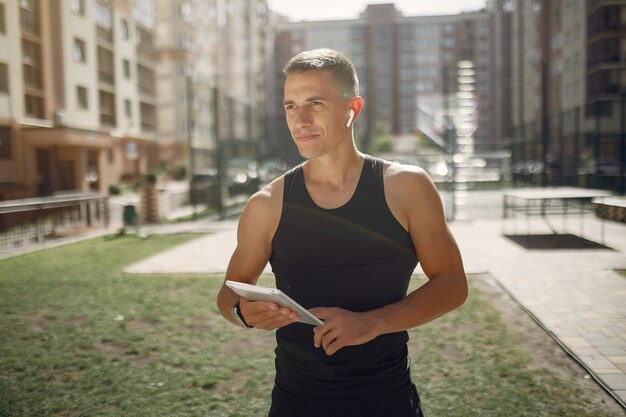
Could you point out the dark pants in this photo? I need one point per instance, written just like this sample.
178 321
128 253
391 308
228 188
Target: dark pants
403 403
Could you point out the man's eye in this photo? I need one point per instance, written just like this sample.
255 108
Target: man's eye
317 103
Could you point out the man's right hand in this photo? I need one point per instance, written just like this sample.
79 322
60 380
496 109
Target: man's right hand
266 315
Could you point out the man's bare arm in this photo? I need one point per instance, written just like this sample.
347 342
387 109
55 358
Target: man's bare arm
422 213
439 257
256 228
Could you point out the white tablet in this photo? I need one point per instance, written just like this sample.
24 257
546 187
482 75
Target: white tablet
257 293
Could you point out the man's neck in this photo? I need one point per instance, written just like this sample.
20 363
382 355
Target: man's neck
335 168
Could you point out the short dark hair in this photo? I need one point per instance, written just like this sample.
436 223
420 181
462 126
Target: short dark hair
341 67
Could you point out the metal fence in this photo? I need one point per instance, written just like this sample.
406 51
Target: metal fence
32 221
582 146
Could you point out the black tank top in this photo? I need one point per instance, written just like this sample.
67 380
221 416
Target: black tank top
357 257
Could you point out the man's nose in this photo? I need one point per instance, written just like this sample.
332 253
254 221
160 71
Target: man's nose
302 118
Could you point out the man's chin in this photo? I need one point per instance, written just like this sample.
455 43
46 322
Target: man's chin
306 153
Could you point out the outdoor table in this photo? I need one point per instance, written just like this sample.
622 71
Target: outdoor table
544 202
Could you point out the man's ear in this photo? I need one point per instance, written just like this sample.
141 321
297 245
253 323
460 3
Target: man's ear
357 106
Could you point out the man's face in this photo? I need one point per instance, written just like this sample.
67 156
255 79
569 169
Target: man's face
316 112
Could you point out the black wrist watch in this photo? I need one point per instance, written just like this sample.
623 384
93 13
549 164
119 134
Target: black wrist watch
236 312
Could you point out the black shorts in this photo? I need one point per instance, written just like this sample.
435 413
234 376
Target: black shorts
402 403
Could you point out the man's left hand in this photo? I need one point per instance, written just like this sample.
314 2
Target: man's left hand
341 328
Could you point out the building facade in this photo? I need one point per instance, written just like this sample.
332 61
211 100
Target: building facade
564 115
80 111
213 57
96 92
606 91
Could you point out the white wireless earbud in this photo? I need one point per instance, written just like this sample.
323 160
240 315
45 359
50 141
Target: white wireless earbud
350 118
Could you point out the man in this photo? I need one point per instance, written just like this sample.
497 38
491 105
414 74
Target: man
343 233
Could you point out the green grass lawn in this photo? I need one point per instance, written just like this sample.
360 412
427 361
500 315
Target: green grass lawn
78 337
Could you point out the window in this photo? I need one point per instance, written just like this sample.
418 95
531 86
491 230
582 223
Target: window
3 27
29 17
447 42
185 13
78 7
127 69
79 51
143 39
31 63
145 77
103 16
124 32
33 106
107 108
5 142
30 52
508 6
106 72
148 117
128 109
4 78
32 77
82 98
184 41
143 12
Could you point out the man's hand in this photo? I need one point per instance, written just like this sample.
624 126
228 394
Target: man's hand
341 328
265 315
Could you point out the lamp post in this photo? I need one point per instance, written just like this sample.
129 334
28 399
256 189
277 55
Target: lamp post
622 143
190 122
219 164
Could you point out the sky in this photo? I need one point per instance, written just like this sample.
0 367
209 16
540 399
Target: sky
298 10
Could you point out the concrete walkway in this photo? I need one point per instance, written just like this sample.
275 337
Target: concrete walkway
574 293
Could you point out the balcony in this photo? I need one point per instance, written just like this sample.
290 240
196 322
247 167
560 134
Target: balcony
29 21
105 35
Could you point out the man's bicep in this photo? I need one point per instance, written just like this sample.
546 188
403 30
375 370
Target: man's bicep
435 246
253 248
245 266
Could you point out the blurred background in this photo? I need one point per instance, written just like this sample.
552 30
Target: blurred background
108 98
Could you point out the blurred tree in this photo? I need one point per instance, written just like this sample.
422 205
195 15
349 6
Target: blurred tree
382 141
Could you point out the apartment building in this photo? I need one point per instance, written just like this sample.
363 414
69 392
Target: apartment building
500 89
80 113
606 90
93 92
566 69
408 68
174 43
212 76
449 67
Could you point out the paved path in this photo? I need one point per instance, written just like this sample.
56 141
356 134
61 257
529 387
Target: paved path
574 293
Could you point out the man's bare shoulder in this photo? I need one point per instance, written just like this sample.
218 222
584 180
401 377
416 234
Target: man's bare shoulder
262 213
269 198
410 190
399 176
